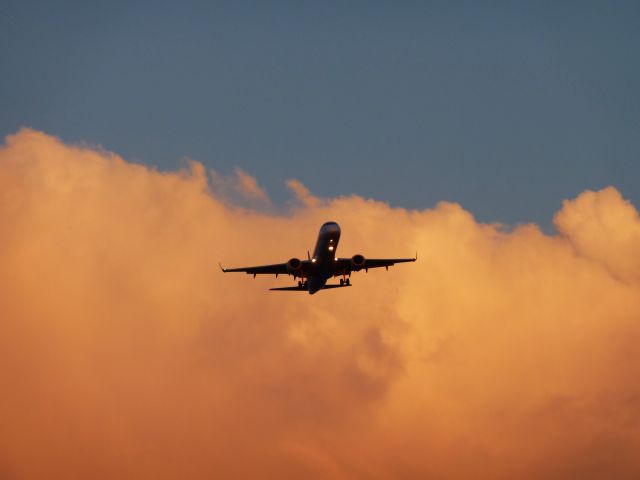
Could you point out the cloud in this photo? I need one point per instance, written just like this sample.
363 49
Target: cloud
302 193
239 188
606 228
126 353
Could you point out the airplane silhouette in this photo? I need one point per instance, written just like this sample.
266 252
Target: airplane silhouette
315 271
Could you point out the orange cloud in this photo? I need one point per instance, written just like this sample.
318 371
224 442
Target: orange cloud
302 193
239 188
606 228
126 353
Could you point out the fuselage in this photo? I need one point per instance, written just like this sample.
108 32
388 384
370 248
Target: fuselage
324 256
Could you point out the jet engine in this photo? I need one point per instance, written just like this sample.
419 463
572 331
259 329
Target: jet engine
294 266
357 262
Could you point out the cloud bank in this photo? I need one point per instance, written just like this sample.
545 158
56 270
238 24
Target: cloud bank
126 353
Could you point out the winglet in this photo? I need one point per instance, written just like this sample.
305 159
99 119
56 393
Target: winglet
222 268
416 256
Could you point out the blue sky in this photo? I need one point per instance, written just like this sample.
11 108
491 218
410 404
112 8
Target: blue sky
507 108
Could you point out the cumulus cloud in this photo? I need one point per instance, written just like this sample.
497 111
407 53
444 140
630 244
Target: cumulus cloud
239 188
605 227
126 353
302 193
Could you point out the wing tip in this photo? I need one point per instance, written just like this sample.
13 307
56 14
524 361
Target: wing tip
224 270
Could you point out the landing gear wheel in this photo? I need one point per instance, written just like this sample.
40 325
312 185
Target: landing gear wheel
348 282
341 282
299 283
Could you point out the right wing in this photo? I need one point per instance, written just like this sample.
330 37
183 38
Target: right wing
345 265
304 289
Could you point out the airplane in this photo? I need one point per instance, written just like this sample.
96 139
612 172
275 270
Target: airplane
315 271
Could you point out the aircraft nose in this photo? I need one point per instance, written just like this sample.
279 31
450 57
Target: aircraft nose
330 227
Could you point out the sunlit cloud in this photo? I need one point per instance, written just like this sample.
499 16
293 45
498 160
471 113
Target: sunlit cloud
126 353
302 193
239 188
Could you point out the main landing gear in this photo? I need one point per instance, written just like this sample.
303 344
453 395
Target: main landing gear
344 281
302 284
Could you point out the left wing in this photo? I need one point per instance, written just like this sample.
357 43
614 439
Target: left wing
276 268
345 264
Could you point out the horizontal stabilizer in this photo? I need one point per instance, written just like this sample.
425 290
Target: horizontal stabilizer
304 289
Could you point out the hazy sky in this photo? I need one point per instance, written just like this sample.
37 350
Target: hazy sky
502 353
507 109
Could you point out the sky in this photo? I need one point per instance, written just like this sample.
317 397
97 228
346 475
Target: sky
144 143
506 108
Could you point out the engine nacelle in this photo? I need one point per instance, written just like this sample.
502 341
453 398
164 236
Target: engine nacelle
357 261
294 265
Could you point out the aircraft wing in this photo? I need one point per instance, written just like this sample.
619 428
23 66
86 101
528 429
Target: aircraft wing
276 268
345 263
